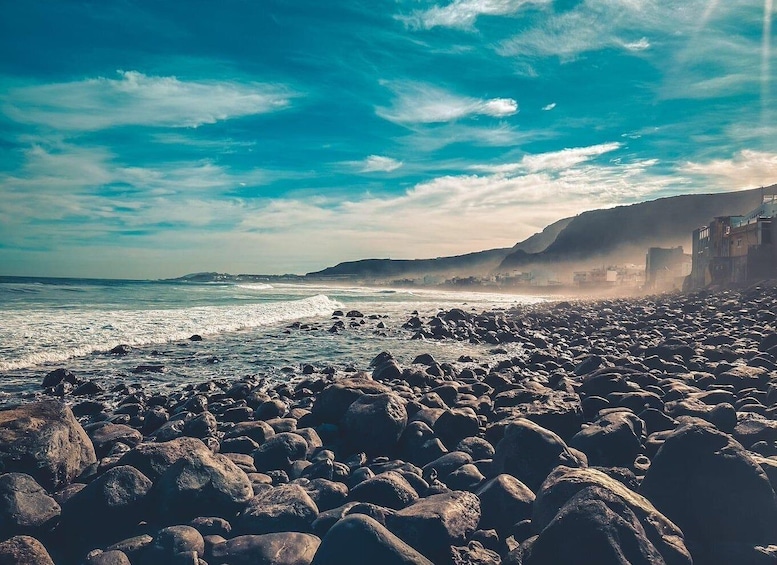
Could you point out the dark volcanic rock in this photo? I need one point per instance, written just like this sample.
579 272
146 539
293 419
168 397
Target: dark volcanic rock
280 451
25 507
389 489
106 436
24 550
613 440
169 543
153 459
530 452
454 425
358 539
504 501
564 483
287 548
594 526
705 482
284 508
374 423
45 441
331 403
107 508
434 524
201 484
58 376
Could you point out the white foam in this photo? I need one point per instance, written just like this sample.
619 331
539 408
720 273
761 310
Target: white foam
33 337
255 286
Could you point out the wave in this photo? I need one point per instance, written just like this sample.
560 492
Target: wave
43 336
255 286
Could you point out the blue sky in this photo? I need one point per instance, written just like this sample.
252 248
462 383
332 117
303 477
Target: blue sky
154 138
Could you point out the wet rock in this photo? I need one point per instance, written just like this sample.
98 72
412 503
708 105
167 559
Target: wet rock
153 459
374 423
44 440
706 483
258 431
24 550
285 548
474 553
358 539
201 426
530 452
284 508
25 507
434 524
59 376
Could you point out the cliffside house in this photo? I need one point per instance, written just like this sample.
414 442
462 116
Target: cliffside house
736 249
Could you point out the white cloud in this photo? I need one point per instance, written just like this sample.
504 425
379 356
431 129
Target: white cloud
463 14
551 161
378 164
746 169
549 107
640 45
421 103
137 99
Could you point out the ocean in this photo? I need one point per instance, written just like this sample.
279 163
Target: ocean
265 331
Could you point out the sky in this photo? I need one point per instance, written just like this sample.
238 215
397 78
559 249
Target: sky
154 138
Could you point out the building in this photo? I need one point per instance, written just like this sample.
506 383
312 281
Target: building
736 249
666 268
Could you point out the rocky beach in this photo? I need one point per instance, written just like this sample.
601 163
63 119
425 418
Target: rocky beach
622 431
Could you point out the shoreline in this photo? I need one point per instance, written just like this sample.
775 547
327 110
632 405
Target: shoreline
635 411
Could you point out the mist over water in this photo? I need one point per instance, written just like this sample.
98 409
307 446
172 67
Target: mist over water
72 323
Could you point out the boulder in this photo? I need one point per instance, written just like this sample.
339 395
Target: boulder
45 441
434 524
112 557
201 484
390 489
613 440
455 425
530 452
594 526
705 482
284 508
358 539
152 459
331 403
282 548
108 508
280 451
374 422
106 436
24 550
25 507
169 543
504 501
564 483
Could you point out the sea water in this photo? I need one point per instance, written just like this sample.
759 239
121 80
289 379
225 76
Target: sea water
247 329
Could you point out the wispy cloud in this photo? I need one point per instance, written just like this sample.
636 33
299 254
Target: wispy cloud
421 103
377 164
137 99
746 169
551 161
463 14
549 107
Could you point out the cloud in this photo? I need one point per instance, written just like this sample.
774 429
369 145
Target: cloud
549 107
551 161
377 164
746 169
463 14
420 103
137 99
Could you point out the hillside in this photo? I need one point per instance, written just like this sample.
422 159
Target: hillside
469 264
624 233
